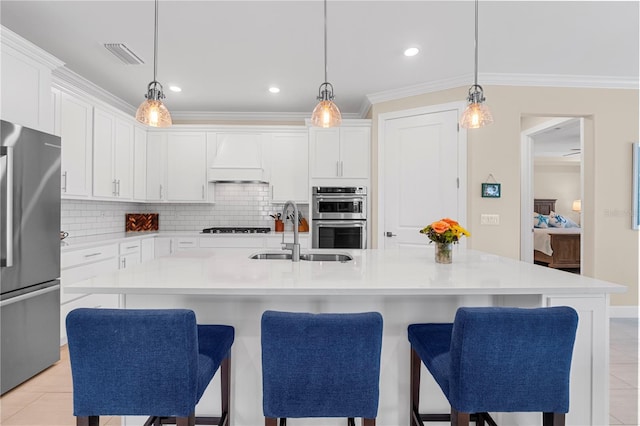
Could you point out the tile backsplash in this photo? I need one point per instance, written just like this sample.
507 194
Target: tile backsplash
235 205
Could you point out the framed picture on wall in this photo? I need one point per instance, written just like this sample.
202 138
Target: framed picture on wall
491 190
635 203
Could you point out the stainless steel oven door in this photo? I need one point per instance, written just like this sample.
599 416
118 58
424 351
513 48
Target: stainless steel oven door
339 207
345 234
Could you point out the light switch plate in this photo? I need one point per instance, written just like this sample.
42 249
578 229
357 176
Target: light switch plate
490 219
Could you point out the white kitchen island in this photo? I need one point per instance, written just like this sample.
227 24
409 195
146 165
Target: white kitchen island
224 286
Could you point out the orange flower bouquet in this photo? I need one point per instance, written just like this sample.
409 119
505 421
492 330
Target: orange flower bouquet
445 231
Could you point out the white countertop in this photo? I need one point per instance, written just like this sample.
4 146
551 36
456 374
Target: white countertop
372 272
74 243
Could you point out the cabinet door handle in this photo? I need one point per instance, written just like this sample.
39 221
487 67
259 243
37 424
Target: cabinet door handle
64 187
114 192
132 247
203 192
337 168
92 254
118 187
161 192
124 262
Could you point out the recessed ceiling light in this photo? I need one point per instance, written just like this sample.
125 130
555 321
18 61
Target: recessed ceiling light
412 51
274 89
175 89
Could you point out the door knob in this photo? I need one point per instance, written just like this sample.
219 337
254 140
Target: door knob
390 234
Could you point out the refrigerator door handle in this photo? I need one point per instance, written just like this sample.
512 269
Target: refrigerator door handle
29 295
6 179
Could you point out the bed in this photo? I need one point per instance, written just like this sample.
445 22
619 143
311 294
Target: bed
555 247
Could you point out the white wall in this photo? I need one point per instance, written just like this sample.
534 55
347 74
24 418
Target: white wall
611 125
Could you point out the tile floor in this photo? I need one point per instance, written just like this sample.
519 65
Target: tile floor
46 399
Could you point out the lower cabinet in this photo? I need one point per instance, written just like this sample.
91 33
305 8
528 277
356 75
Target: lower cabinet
78 265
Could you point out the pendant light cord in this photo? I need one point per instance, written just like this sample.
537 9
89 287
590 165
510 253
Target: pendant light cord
155 45
325 41
475 80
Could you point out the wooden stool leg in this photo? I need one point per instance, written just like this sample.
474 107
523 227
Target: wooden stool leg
270 421
186 421
414 388
225 390
553 419
88 421
368 422
458 418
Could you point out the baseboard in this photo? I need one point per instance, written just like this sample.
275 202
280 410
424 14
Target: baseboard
623 311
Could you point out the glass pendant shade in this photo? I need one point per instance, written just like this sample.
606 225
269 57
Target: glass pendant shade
153 113
477 113
475 116
326 114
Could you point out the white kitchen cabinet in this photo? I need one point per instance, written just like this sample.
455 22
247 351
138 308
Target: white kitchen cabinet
156 166
185 243
139 164
163 246
112 156
25 82
147 249
186 166
75 124
225 241
129 253
78 265
342 152
288 163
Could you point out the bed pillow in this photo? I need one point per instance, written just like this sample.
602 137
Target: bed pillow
540 220
556 220
559 221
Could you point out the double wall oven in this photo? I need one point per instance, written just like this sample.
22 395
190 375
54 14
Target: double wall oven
339 217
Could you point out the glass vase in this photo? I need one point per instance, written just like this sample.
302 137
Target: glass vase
443 252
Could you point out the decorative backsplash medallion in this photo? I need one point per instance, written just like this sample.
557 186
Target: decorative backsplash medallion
136 222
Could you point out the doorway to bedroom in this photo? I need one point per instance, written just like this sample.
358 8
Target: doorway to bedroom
552 191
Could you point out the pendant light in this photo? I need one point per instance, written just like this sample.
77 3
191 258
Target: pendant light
477 113
152 111
326 113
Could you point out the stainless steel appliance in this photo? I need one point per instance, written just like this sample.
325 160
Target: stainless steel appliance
29 253
339 217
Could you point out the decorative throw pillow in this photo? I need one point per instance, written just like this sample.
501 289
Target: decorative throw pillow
540 221
556 220
570 223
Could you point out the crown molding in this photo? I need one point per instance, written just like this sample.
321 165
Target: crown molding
65 79
247 116
14 41
419 89
559 80
501 79
364 107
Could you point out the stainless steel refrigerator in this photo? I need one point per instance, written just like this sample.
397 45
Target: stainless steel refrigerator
29 253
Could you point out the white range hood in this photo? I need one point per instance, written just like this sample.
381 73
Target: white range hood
238 159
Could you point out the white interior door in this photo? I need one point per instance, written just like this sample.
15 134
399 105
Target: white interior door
421 179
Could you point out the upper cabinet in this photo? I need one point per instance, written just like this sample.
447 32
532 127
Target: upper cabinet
112 156
25 74
139 164
74 123
342 152
287 158
187 166
177 166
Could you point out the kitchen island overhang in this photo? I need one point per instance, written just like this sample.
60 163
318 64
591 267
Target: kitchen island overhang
224 286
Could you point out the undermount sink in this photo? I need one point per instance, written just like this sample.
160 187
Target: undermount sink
309 257
325 257
268 256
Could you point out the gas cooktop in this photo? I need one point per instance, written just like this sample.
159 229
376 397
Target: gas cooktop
236 230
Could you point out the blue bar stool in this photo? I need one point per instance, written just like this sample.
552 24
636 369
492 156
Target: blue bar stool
321 365
148 362
496 359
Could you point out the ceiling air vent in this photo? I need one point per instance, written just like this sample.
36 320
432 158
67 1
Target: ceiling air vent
124 53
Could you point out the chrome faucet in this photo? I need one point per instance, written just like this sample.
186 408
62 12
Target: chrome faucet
295 246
